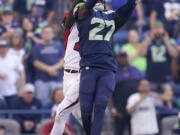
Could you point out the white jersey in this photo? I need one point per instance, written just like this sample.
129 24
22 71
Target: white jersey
72 57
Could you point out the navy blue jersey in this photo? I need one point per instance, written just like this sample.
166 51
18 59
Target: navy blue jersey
95 32
165 9
158 63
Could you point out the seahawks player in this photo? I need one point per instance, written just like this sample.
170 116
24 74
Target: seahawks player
96 27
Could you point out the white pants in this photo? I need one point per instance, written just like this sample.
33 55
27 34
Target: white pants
70 104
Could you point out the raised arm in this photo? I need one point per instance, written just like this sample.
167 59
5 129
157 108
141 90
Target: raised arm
82 10
69 19
125 12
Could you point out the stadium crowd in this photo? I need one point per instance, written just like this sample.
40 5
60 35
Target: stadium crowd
146 100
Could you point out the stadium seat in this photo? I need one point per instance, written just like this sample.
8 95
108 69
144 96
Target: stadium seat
12 127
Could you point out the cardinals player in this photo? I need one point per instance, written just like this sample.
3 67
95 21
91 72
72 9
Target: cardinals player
70 104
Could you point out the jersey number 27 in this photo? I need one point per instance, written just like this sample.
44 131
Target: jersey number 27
102 24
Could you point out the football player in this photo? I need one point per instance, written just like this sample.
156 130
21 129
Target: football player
96 27
70 104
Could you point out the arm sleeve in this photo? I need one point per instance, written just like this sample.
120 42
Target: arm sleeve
124 12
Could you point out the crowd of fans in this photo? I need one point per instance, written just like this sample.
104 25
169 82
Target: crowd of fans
147 94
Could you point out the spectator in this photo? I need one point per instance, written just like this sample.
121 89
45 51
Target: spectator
56 99
132 49
168 104
127 78
47 7
11 74
176 74
159 52
2 130
16 46
167 11
28 43
48 62
168 96
137 18
29 102
57 31
6 4
28 29
168 111
6 26
125 71
141 106
37 13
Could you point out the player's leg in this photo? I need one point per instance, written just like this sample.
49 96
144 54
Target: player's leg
62 114
105 89
77 113
87 90
71 90
76 109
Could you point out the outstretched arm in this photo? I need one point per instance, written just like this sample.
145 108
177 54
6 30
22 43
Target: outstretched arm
69 19
83 10
125 12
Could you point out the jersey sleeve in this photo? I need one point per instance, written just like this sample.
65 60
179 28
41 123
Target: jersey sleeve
124 13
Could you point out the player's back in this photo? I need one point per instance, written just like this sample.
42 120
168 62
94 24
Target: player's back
96 31
72 57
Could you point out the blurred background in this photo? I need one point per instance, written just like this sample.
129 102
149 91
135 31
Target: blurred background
146 100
